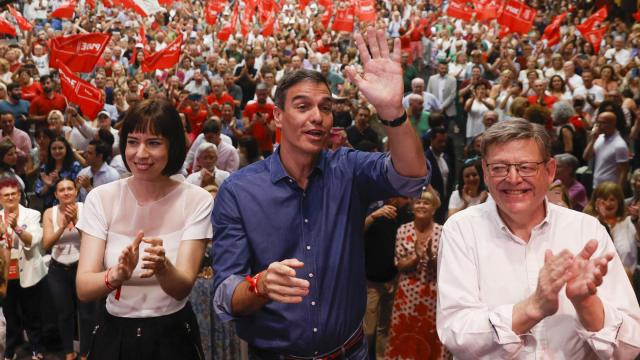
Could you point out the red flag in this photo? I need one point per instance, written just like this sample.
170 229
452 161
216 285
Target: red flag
366 10
486 10
22 22
636 15
303 4
504 31
328 12
344 19
142 7
247 18
65 11
595 18
517 16
552 31
267 26
7 28
166 3
594 36
228 29
213 9
80 92
459 9
107 3
91 4
79 52
164 59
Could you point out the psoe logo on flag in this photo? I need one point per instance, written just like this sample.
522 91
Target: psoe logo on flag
70 81
89 47
512 9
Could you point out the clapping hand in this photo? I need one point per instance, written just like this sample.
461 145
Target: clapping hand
155 261
587 273
127 261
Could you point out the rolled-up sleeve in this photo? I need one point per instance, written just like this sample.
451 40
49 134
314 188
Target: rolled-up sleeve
619 337
376 174
231 252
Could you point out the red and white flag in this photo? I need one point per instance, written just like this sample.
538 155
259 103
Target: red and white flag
80 92
212 10
22 22
328 12
78 52
143 7
7 28
247 18
597 17
66 11
344 19
164 59
517 16
366 10
594 37
459 10
552 31
227 30
486 10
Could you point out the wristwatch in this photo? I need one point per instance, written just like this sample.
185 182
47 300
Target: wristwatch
395 122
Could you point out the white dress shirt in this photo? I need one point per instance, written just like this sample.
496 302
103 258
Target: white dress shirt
484 270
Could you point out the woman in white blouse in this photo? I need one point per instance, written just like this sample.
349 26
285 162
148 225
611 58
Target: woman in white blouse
63 239
20 231
142 241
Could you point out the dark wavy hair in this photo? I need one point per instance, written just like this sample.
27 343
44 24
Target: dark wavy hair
68 160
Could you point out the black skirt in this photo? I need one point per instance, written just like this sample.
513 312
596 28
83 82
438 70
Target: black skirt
174 336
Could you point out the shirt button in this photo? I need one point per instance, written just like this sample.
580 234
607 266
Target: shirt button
306 221
315 330
290 180
310 275
313 303
308 247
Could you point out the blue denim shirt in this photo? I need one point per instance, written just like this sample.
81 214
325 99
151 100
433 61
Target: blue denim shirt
261 216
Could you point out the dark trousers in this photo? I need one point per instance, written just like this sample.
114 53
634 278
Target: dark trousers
22 311
168 337
62 285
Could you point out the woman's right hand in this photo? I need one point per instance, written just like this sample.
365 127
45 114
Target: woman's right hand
127 262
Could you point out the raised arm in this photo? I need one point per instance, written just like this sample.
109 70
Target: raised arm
381 83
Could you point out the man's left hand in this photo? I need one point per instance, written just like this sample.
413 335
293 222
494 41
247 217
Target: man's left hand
381 83
587 273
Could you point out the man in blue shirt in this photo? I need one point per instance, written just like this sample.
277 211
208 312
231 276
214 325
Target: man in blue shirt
15 105
288 244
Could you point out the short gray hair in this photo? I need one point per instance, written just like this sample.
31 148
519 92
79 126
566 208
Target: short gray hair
517 129
569 161
561 112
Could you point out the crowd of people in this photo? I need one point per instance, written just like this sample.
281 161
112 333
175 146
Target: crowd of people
117 182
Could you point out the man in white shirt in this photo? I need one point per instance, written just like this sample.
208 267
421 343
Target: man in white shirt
592 93
228 158
618 54
431 103
572 79
522 278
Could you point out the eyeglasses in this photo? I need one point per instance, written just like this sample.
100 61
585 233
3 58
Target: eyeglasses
10 195
525 169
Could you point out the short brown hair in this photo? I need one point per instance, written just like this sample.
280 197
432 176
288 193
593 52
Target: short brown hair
517 129
159 117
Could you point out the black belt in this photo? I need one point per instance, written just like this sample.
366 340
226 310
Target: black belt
71 266
347 349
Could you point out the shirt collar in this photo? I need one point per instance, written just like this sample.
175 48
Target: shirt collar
493 210
277 171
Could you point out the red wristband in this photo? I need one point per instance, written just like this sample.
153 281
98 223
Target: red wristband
110 286
253 284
